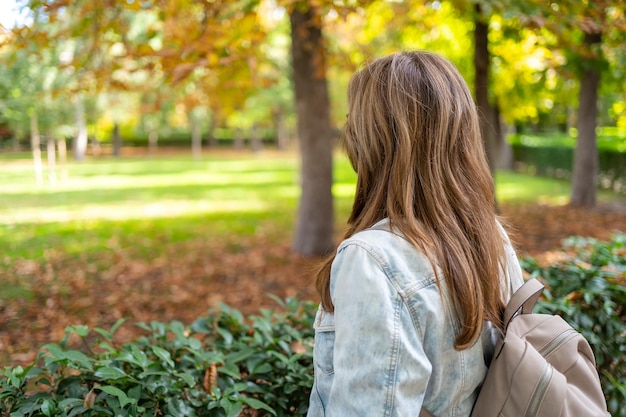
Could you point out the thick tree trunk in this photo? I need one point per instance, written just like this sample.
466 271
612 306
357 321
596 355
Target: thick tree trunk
314 228
481 88
81 140
35 144
585 170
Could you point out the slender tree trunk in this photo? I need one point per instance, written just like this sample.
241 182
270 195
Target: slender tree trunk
571 117
62 148
238 139
481 87
96 149
504 159
314 228
585 171
256 143
52 157
282 137
81 140
196 136
153 141
211 139
117 140
35 144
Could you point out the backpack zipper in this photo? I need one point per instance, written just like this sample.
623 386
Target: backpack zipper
557 342
540 391
546 377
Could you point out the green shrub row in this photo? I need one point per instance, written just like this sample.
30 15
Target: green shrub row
227 365
607 138
223 137
174 138
553 157
222 365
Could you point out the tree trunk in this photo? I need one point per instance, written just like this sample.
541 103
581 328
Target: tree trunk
81 140
52 157
256 142
238 139
314 228
153 141
62 148
282 137
211 139
117 140
481 87
196 136
504 158
35 144
96 149
585 170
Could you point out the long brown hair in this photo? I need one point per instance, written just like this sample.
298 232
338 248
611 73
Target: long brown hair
413 137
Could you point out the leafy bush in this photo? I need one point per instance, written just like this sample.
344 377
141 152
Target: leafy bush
587 288
221 365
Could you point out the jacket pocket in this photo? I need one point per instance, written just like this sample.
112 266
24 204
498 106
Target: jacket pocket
324 341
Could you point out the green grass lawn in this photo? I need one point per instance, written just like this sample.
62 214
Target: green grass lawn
139 203
516 188
147 199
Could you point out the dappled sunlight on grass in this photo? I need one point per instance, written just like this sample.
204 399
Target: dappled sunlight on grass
512 187
137 210
516 188
169 187
343 190
145 204
120 182
159 188
170 199
90 176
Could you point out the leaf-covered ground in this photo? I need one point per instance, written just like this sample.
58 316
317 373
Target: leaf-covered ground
195 276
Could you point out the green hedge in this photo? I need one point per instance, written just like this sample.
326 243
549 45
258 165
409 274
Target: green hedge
175 138
553 157
225 364
222 365
223 137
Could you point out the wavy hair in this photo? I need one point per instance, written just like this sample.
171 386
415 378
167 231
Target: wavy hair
413 137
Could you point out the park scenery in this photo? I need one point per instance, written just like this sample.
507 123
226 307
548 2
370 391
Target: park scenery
171 176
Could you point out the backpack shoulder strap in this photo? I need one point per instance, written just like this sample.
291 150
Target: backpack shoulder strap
524 298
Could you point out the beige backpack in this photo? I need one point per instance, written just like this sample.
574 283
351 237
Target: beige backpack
541 367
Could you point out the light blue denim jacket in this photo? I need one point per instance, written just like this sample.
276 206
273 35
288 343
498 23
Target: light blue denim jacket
388 349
